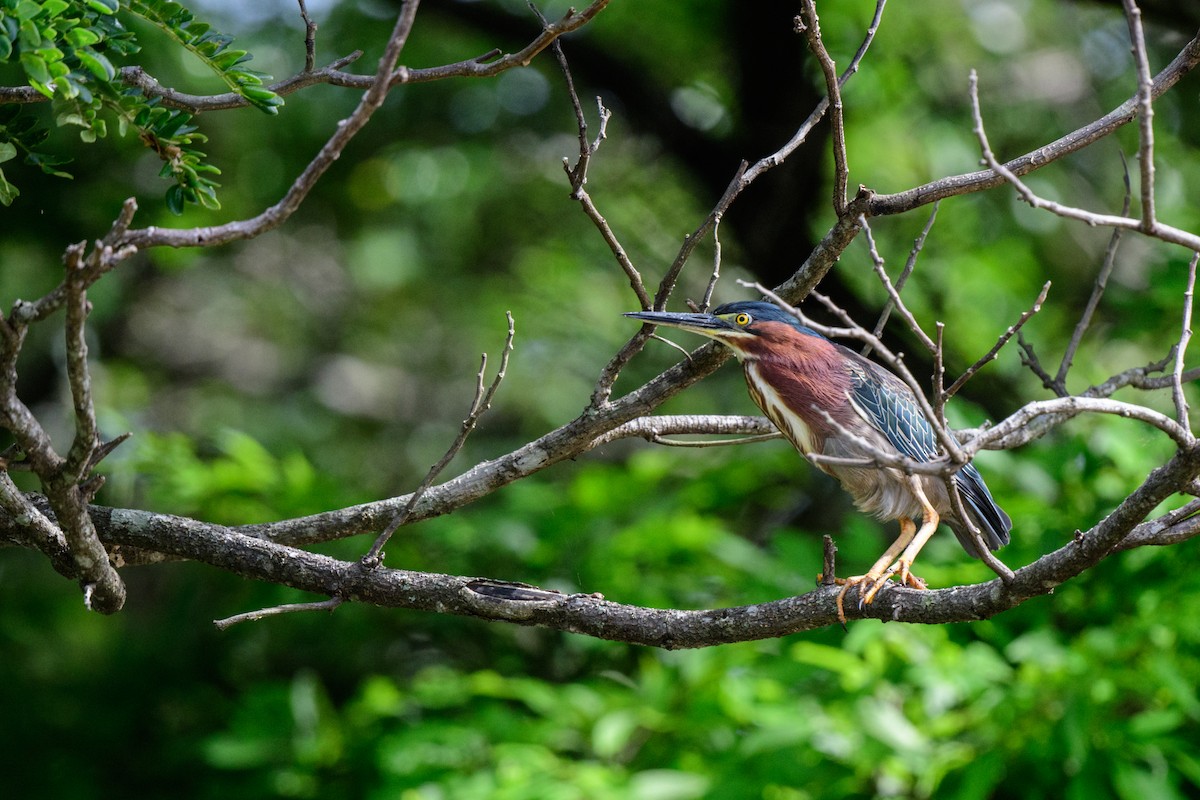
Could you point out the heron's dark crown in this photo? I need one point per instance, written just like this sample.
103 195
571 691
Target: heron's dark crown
763 312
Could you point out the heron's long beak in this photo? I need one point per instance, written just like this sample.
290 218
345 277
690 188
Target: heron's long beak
704 324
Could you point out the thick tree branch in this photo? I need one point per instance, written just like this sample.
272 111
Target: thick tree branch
257 559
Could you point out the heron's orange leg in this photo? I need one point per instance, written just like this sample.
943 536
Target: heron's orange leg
879 571
917 541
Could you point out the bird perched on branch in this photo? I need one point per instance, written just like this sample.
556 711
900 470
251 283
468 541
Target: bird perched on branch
860 422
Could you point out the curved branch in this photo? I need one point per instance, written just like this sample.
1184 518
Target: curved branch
588 614
483 66
1016 430
651 428
884 204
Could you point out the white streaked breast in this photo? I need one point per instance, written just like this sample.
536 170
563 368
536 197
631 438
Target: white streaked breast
788 423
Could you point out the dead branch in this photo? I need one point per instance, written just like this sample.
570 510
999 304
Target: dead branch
898 203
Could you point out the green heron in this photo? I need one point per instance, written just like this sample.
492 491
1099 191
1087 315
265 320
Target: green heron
829 400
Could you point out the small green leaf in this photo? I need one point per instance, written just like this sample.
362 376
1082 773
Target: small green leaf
8 151
26 10
258 93
47 163
264 99
82 37
175 199
229 58
35 68
55 7
207 197
49 54
97 64
43 88
8 192
79 89
104 6
218 40
5 47
29 35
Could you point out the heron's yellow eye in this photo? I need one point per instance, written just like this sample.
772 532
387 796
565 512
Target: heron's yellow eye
742 320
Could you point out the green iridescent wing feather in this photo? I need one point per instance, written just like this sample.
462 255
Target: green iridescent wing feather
890 407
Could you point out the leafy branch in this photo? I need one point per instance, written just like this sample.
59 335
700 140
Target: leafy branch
64 49
211 47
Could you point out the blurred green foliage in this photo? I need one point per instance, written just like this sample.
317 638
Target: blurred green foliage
330 363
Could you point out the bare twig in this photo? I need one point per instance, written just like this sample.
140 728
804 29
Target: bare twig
989 558
1003 340
275 215
1029 358
1172 527
1185 336
1018 427
909 264
479 405
653 428
659 338
310 38
79 378
274 611
1145 113
828 561
1085 319
842 233
1145 378
704 443
83 558
487 65
577 175
746 174
35 529
939 372
810 25
894 293
706 301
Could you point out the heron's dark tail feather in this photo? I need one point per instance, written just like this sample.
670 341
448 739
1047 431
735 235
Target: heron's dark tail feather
993 523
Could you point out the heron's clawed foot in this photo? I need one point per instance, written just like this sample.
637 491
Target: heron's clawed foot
875 583
906 579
